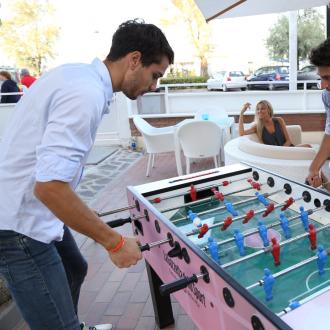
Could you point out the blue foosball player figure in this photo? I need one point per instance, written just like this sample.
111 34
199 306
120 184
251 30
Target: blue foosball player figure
230 208
285 225
304 217
268 280
239 239
193 217
263 233
262 199
213 249
322 256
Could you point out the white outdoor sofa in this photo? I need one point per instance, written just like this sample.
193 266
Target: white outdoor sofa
291 162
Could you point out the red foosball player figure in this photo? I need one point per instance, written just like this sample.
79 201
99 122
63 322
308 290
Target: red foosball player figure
248 216
226 223
312 236
193 193
276 251
203 230
269 209
254 185
225 183
287 204
218 195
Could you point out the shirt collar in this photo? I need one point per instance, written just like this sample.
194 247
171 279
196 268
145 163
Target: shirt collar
103 72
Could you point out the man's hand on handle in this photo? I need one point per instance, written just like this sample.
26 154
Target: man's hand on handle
129 254
314 178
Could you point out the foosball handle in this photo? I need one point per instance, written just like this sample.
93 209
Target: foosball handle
177 285
118 222
145 247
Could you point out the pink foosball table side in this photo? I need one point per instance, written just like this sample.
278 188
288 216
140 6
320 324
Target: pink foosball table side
209 295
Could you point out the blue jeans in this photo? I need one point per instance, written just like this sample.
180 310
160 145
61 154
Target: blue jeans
74 264
37 278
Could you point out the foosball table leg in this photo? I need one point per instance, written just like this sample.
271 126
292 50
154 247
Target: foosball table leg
162 304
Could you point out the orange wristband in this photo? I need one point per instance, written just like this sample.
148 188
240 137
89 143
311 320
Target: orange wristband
119 245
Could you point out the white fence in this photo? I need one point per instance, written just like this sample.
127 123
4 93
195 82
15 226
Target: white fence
283 101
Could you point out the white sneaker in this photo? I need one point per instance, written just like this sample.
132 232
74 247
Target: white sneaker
106 326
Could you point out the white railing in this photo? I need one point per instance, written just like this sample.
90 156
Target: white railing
171 101
14 93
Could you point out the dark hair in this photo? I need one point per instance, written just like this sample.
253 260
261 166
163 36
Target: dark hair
6 74
320 55
148 39
25 72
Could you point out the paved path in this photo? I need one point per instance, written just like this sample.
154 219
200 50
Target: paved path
109 294
97 177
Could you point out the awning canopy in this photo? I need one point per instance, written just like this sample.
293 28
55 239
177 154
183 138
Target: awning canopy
234 8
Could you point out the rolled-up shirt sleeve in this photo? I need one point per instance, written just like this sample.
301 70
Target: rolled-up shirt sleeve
326 102
69 135
327 123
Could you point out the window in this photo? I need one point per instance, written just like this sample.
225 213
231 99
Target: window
236 74
219 75
283 70
260 71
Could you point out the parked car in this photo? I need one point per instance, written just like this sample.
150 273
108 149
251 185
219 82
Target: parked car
275 73
309 72
226 80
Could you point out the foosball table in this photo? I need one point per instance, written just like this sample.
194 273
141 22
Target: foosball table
239 248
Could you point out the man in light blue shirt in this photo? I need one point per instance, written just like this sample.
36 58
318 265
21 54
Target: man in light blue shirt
42 154
320 56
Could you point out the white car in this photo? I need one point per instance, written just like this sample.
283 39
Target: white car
226 80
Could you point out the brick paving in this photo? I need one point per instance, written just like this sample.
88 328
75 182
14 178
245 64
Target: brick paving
122 296
97 177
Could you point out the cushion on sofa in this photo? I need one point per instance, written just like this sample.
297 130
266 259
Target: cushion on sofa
251 145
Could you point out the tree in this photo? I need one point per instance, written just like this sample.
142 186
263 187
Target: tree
27 36
198 30
310 33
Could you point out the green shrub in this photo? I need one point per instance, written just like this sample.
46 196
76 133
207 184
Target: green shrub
183 80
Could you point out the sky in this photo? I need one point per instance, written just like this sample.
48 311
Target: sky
86 28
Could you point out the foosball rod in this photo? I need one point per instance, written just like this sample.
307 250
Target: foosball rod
126 208
129 207
284 271
199 189
218 224
213 198
268 248
254 231
224 207
149 246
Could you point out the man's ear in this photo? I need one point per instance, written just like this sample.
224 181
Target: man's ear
134 59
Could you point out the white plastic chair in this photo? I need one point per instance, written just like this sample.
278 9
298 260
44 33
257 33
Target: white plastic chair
156 139
198 139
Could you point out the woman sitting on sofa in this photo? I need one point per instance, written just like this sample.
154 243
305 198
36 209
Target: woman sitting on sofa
270 130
